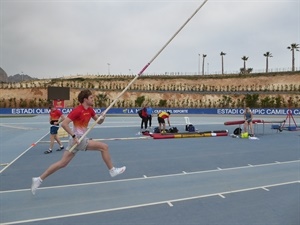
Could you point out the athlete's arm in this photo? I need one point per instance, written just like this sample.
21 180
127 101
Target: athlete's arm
101 120
65 125
62 117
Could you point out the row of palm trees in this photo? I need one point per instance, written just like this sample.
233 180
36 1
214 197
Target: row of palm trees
150 87
224 101
293 47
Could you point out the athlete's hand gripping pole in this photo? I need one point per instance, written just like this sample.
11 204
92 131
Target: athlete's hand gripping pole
138 75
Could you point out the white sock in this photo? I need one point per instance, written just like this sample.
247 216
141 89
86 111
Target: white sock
112 169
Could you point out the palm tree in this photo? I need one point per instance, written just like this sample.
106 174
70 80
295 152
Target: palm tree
292 48
244 58
267 55
203 63
199 63
222 54
101 100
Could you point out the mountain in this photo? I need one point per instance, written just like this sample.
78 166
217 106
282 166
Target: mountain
20 78
3 75
15 78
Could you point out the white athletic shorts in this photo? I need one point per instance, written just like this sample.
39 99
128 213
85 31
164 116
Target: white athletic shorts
82 146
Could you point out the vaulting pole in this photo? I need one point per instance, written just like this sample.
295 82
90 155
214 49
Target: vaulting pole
139 74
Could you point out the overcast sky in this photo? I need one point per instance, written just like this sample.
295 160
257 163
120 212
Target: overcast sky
69 37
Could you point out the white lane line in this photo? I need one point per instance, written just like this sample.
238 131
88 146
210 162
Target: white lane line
250 165
184 172
134 124
127 138
146 204
266 189
170 204
32 145
110 139
232 191
222 196
17 127
219 168
154 177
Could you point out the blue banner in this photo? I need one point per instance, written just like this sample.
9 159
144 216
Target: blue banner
131 111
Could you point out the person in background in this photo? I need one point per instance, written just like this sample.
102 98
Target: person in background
149 113
144 116
161 121
80 117
248 117
55 118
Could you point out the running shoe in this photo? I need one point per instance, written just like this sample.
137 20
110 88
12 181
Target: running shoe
117 171
60 148
48 151
36 182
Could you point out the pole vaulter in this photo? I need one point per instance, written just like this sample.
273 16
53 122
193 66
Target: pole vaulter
138 75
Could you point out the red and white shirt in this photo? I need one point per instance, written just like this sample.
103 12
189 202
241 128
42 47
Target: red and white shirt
55 115
81 118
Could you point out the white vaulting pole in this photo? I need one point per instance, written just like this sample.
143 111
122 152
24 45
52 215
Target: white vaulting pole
140 73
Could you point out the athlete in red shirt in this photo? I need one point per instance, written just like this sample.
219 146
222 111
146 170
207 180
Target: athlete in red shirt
55 118
161 120
144 118
80 116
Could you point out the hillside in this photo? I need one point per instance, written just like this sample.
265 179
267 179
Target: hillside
3 75
208 91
